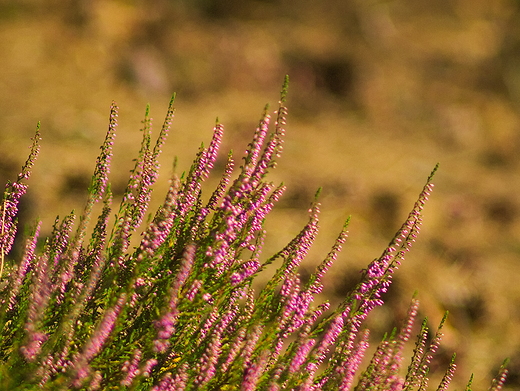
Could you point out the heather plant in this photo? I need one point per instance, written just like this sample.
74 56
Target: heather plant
181 309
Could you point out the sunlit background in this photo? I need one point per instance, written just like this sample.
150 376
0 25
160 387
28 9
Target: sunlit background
380 92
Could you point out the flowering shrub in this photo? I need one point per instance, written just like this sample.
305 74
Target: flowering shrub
180 311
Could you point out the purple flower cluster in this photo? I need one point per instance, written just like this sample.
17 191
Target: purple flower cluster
100 179
166 324
12 194
96 342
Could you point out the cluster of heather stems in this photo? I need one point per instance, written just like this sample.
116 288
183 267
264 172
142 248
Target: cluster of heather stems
171 304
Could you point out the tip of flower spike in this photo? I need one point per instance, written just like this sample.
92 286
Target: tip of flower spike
433 172
35 150
285 87
37 134
444 318
470 383
498 382
347 222
317 194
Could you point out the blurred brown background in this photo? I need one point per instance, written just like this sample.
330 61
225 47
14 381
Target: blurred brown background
380 92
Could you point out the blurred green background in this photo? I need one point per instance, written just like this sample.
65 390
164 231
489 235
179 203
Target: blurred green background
380 92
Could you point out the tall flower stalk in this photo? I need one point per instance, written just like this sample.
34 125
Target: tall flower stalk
181 310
